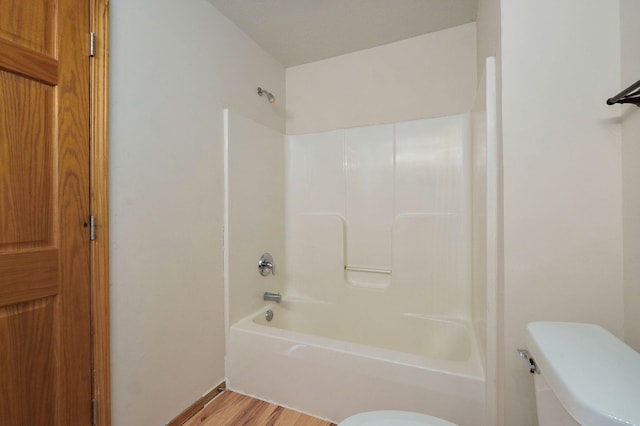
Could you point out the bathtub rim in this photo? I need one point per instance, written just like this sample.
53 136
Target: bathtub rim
471 368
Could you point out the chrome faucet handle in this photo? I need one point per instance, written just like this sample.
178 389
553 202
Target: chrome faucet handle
265 265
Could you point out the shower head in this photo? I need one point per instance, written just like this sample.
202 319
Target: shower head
269 96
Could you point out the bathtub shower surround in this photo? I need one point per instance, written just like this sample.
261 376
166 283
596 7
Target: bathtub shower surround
376 308
388 274
379 217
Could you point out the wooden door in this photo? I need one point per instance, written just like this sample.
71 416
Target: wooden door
45 351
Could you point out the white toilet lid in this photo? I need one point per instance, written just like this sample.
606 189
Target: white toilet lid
393 418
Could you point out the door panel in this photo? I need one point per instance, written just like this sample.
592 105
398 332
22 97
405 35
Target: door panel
45 352
28 275
29 23
27 215
34 361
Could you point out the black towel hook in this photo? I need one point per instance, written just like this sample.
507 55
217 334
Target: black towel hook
630 95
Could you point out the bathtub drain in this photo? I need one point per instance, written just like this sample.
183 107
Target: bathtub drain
268 315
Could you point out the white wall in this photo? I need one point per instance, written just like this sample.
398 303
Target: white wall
255 221
427 76
630 43
562 180
487 32
174 65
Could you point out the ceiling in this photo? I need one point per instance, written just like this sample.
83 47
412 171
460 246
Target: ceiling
300 31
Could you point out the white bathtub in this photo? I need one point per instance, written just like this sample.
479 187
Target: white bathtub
332 362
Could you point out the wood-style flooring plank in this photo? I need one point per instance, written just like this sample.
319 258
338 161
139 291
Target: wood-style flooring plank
234 409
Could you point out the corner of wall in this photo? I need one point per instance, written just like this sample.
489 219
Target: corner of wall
630 118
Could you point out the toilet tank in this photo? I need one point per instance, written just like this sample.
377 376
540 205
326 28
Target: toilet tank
593 375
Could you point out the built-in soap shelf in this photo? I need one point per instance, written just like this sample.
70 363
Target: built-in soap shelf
367 276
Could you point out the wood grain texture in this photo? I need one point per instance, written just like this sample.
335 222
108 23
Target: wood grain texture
30 24
234 409
198 405
99 199
35 356
26 162
28 276
73 212
45 344
28 63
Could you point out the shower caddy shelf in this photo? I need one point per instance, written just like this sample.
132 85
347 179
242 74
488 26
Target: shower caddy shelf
630 95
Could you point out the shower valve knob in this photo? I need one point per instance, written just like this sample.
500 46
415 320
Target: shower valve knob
265 265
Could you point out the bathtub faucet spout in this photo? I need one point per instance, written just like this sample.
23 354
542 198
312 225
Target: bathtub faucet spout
272 297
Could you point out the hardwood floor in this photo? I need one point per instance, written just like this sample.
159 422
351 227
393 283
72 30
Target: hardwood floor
234 409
